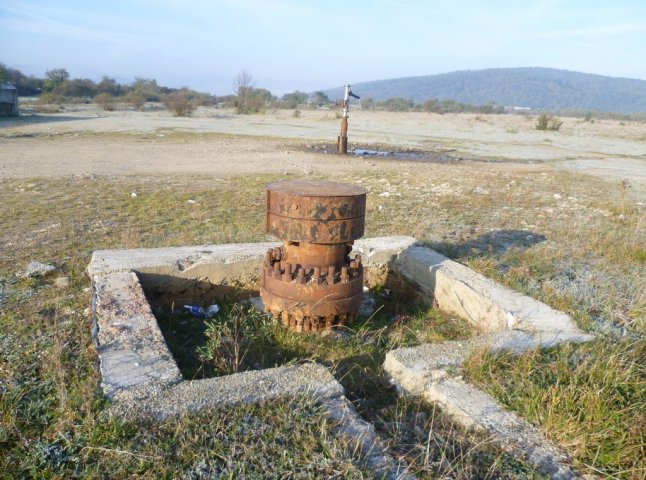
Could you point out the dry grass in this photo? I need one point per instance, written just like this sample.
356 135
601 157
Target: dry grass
571 241
589 398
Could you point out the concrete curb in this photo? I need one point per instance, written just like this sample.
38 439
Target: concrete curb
161 401
475 409
490 307
140 376
512 322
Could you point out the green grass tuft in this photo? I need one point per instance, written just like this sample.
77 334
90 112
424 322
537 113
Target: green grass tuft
589 398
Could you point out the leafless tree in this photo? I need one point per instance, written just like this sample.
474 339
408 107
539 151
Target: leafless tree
243 85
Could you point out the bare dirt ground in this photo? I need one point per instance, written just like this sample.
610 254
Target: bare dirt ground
86 140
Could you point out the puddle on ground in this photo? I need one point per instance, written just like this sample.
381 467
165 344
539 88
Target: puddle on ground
415 156
412 155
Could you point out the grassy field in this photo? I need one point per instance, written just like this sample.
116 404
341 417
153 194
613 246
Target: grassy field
572 241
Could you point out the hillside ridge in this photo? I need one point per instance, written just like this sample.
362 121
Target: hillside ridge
532 87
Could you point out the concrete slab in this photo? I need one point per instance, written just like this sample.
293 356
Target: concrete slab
486 304
140 375
131 348
309 380
411 369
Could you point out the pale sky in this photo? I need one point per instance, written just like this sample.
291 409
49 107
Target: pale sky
311 45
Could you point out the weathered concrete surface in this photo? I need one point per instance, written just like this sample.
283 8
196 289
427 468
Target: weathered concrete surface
217 262
432 371
487 305
225 260
411 369
131 348
365 440
160 401
475 409
140 375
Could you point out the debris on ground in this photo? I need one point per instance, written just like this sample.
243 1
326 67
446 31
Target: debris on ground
37 269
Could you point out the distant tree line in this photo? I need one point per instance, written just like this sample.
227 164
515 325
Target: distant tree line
57 86
401 104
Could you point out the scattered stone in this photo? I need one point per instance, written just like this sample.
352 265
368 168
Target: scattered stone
37 269
62 282
368 305
191 202
133 194
342 334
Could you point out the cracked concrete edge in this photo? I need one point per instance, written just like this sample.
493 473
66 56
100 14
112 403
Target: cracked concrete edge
431 372
257 386
311 380
362 434
186 261
484 303
411 368
476 409
129 343
131 348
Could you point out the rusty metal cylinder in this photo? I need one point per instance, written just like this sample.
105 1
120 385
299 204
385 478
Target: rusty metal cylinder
310 283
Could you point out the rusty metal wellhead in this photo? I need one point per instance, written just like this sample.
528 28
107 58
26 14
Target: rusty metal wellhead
311 283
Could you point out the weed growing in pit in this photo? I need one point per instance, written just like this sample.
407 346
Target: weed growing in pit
241 338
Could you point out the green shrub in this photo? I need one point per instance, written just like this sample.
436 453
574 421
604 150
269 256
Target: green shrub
181 103
136 99
106 101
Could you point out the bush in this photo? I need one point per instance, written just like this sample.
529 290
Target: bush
50 99
136 99
397 104
106 101
545 122
181 103
296 114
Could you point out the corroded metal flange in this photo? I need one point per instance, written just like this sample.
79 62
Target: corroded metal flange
310 283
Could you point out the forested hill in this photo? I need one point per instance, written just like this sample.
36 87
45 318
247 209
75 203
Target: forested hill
534 87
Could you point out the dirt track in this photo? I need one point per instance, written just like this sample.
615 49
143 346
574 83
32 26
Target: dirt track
85 140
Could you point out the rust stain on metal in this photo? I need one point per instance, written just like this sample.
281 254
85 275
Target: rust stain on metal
311 283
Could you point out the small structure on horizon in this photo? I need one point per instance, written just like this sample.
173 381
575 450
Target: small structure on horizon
8 100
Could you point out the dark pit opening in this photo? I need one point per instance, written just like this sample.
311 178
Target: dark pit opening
239 337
